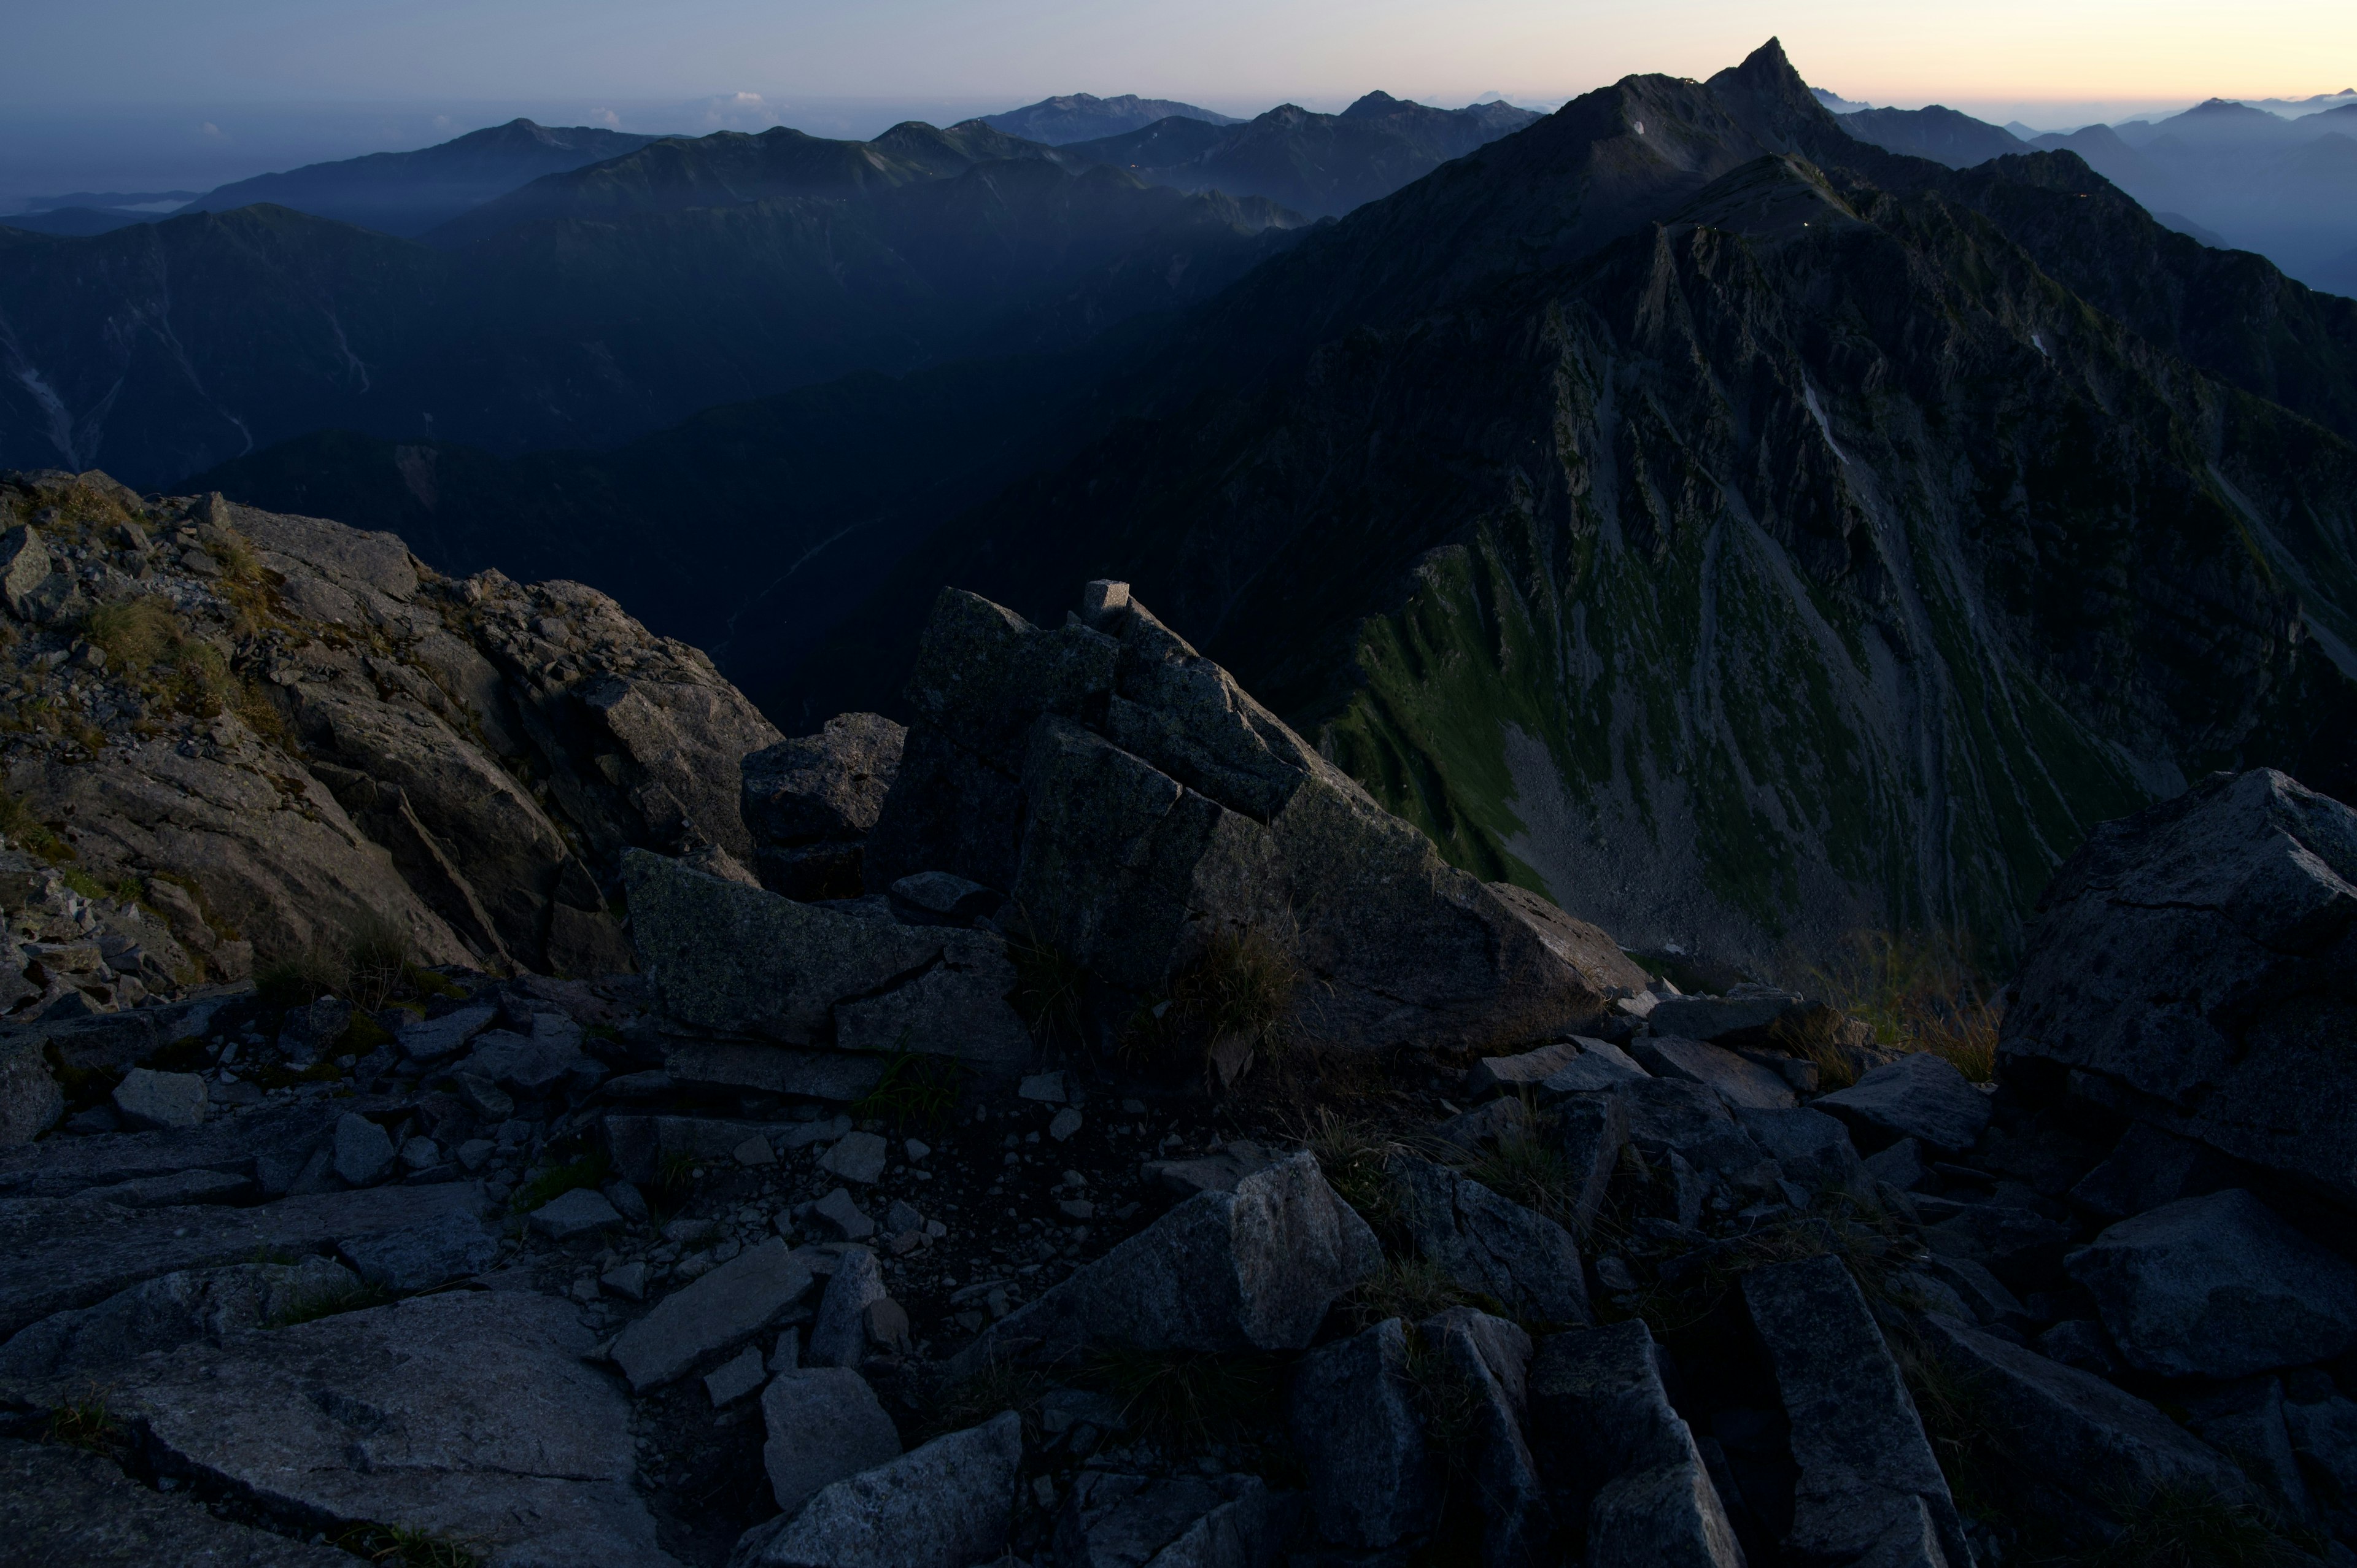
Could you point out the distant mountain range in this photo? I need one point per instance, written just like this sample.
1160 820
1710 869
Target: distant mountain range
597 307
1551 493
1078 117
1322 165
409 193
2227 173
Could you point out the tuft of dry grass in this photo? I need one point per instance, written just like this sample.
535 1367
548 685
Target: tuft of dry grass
1355 1159
1409 1288
1240 987
1187 1399
1920 992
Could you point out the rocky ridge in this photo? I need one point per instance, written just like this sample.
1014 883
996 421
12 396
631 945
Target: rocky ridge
1163 1157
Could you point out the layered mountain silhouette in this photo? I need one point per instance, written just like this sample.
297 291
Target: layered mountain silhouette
620 299
1323 165
1078 117
1936 132
408 193
1742 531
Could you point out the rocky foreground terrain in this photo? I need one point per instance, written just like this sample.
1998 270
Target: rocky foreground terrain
472 1092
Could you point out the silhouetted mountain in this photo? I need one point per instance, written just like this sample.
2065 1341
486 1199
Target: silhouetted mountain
1322 165
1078 117
76 220
1743 531
169 348
731 167
409 193
160 200
1934 132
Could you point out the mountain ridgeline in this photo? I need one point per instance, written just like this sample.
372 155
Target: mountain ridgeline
1081 117
589 308
1740 532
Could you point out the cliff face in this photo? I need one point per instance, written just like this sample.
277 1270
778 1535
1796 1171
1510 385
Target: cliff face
297 732
1741 533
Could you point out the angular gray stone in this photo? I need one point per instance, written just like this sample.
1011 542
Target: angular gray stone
1901 1166
2245 1421
642 1146
1811 1148
735 1301
2019 1245
163 1313
146 1098
1492 1075
1174 1521
946 1505
363 1150
2147 1168
1984 1294
809 801
579 1212
2076 1432
30 1101
838 1336
2323 1432
2186 971
2081 1342
843 1216
1599 1066
1869 1489
453 1246
737 1377
1742 1083
1589 1131
470 1415
1919 1095
432 1039
2218 1287
57 1254
1618 1453
859 1157
824 1424
1741 1011
1668 1116
1253 1269
534 1065
1489 1360
939 893
1493 1245
1373 1478
64 1506
739 960
170 1191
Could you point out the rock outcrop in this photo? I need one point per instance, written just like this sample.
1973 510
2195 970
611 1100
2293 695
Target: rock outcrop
281 731
1135 804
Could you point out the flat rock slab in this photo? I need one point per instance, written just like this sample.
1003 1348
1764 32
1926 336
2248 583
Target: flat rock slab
1716 1017
946 1505
453 1246
1744 1084
1919 1095
580 1212
1601 1065
88 1343
431 1040
57 1254
469 1414
148 1099
824 1424
63 1506
178 1189
1114 1521
1869 1489
730 1304
2218 1287
236 1144
839 1075
1492 1075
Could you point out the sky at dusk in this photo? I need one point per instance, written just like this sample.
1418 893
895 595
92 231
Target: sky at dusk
103 89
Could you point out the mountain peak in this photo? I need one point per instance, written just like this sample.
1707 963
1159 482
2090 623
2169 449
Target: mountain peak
1376 103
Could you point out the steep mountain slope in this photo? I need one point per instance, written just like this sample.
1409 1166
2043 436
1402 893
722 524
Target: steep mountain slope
170 347
409 193
1318 164
1080 117
1934 132
1742 532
